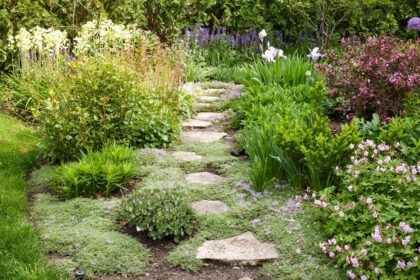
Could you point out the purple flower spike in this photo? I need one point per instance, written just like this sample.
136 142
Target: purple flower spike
414 24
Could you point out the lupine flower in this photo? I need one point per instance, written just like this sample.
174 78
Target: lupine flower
314 54
414 24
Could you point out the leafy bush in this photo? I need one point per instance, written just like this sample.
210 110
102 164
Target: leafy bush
379 197
159 212
375 76
96 173
109 98
287 136
404 131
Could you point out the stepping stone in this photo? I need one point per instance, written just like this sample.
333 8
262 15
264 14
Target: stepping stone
214 91
202 106
207 99
202 136
186 156
196 123
203 178
210 116
242 249
210 207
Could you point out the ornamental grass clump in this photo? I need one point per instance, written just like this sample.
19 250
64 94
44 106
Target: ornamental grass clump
159 213
373 219
375 76
96 173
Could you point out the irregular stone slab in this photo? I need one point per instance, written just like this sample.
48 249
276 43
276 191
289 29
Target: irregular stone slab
196 123
207 99
186 156
214 91
210 207
210 116
242 249
203 106
202 136
203 178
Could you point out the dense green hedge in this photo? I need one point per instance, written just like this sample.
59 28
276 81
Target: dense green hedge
167 17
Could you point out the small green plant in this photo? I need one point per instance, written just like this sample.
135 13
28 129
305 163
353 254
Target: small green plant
379 197
96 173
159 212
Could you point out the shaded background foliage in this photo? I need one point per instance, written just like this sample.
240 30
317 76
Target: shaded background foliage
168 17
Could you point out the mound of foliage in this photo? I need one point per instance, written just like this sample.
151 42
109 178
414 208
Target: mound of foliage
96 173
159 213
375 76
285 132
379 198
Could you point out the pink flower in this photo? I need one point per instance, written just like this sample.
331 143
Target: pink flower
298 251
397 145
368 200
376 270
338 249
377 234
406 240
317 202
331 254
388 240
405 227
346 247
341 214
364 252
368 242
363 277
375 214
351 274
387 159
324 204
354 261
379 162
337 207
383 147
400 264
409 264
255 222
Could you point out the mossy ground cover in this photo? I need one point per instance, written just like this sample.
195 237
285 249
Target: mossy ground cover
20 250
85 232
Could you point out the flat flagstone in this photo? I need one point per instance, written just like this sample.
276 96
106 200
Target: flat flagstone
207 99
213 91
203 106
210 116
203 178
210 207
242 249
186 156
202 136
196 123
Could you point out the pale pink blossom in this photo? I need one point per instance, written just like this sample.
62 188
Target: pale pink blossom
375 214
338 248
346 247
364 252
400 264
351 274
337 207
363 277
341 214
387 159
351 146
405 227
368 242
331 254
298 251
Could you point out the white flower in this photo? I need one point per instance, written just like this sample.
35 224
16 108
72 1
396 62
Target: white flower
315 55
272 53
262 34
308 73
351 146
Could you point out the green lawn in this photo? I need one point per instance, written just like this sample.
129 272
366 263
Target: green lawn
20 253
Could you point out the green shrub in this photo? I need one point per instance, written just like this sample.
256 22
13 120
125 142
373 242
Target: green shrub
379 197
110 98
159 212
96 173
